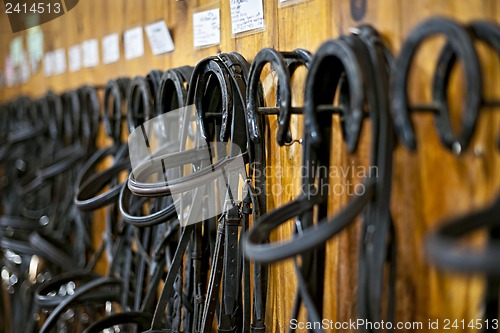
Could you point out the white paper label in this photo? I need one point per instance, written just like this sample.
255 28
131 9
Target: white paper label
90 50
110 48
75 58
34 39
134 43
10 74
24 70
59 61
159 38
47 64
246 15
206 28
16 51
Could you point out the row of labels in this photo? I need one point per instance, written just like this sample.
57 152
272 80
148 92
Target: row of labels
247 16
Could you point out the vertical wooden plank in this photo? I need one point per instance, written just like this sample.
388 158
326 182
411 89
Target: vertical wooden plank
427 185
434 184
285 162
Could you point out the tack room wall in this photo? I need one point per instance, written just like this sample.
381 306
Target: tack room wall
428 185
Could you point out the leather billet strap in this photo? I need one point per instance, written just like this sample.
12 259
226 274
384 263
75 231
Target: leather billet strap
442 248
460 41
95 289
207 69
115 97
63 161
15 232
87 198
53 250
24 113
105 285
12 224
180 185
445 248
171 95
213 81
24 237
154 78
335 58
90 109
356 57
228 71
54 111
284 64
24 126
307 239
140 106
47 301
378 247
71 117
89 181
126 201
484 31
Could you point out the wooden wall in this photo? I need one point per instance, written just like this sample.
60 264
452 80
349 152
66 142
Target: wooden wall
428 185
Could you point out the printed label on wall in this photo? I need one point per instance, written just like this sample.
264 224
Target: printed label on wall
47 64
24 69
90 53
110 48
206 28
10 74
246 15
159 38
134 43
16 51
59 61
74 55
34 40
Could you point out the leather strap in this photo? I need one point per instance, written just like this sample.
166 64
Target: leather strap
460 41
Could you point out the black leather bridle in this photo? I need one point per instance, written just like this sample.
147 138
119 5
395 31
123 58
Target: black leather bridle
444 248
357 65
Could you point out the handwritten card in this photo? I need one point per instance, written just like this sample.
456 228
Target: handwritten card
75 58
110 48
134 43
90 53
206 28
59 61
159 38
246 15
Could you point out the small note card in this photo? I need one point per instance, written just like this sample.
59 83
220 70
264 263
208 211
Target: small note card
110 48
206 28
134 43
246 15
159 38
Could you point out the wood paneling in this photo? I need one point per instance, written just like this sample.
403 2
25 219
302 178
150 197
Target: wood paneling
428 185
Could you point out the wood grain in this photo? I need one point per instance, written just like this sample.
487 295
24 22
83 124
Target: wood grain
428 185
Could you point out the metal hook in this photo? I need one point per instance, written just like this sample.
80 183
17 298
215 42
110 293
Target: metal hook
299 141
